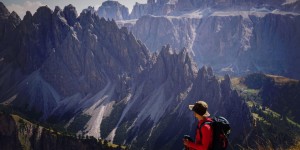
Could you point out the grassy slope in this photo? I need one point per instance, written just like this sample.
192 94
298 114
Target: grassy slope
271 129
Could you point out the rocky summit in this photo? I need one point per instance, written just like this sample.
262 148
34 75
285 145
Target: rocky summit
8 22
113 10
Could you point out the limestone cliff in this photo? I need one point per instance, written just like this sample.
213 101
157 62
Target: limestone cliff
113 10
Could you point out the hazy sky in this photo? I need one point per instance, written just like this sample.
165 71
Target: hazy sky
21 6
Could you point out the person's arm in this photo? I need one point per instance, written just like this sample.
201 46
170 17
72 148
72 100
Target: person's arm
206 139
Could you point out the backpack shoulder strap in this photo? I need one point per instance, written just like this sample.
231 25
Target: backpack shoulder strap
199 128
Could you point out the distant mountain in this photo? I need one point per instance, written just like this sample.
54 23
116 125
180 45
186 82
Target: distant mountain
113 10
241 4
234 37
231 42
171 7
157 8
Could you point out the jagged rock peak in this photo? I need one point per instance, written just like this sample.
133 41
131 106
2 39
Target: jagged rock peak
170 56
227 80
90 9
111 3
86 18
179 60
8 22
184 52
44 10
161 1
166 50
210 71
184 55
28 15
14 15
58 11
203 71
70 14
3 10
226 85
113 10
43 14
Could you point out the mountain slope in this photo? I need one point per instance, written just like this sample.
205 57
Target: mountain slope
272 101
278 93
18 133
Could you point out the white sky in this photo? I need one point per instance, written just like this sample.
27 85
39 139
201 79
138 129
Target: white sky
21 6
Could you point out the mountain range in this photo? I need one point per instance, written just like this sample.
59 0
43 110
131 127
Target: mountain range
89 76
234 37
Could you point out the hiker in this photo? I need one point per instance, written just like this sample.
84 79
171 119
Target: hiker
204 138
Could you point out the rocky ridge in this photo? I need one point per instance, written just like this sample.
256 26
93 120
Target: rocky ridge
17 133
171 7
236 40
234 37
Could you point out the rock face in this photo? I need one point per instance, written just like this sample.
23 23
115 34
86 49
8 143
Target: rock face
234 37
8 22
157 8
171 7
71 58
70 14
175 6
113 10
178 32
86 72
231 42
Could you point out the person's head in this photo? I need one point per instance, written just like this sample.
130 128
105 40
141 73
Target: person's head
200 110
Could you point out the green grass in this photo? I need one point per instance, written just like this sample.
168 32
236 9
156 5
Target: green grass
272 130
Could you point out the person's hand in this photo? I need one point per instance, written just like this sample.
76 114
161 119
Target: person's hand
185 142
